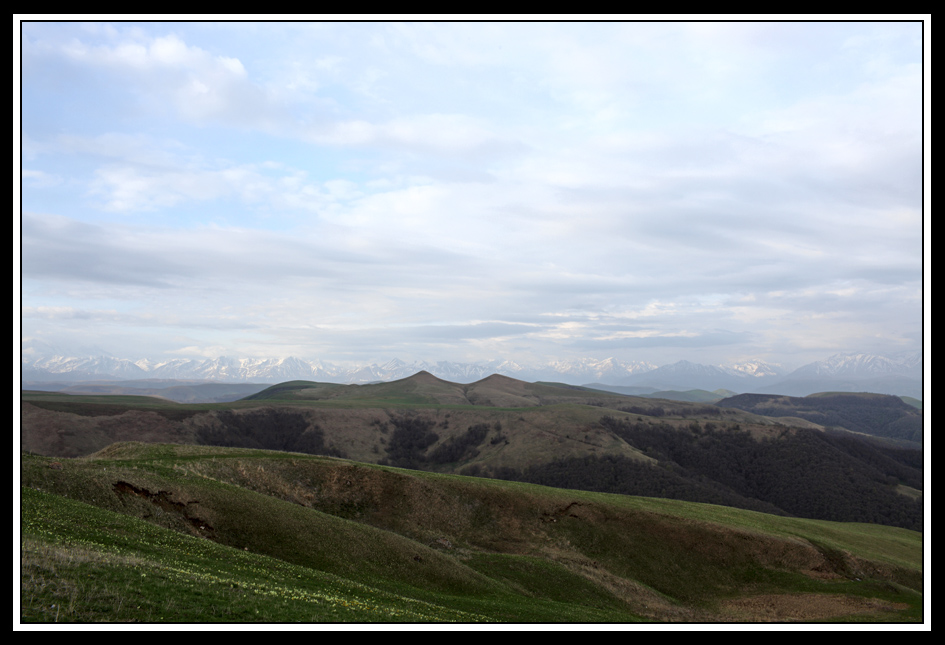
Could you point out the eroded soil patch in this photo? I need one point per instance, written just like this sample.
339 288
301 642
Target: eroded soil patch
162 499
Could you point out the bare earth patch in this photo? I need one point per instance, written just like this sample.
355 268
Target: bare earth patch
799 607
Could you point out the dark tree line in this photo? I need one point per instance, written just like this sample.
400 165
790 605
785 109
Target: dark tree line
412 437
627 476
878 415
462 447
804 473
900 465
660 411
267 429
408 443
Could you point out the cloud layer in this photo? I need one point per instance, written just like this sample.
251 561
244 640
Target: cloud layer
470 191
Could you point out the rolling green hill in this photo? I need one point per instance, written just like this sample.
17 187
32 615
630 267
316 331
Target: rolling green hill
175 533
541 433
424 389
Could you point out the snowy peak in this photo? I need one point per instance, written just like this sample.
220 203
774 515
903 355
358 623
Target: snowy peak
750 369
846 372
592 370
756 369
91 366
859 366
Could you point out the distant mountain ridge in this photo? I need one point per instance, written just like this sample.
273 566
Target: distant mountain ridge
899 375
693 376
842 372
292 368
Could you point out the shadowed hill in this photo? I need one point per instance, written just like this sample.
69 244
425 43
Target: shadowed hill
879 415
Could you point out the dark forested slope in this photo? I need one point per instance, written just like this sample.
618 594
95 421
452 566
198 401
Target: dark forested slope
804 473
879 415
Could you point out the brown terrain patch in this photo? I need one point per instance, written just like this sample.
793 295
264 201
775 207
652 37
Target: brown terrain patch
63 434
163 500
804 607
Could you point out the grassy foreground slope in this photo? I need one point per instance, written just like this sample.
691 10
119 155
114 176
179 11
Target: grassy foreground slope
174 533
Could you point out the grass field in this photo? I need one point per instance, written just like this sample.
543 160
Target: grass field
193 534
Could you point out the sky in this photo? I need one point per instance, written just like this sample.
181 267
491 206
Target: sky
352 192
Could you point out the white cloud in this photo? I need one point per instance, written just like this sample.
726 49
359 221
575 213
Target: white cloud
439 134
740 184
40 179
200 86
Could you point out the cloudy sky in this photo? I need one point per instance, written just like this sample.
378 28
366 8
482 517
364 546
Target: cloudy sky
355 192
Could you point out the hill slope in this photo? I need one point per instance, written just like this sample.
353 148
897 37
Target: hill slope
879 415
425 389
559 435
245 535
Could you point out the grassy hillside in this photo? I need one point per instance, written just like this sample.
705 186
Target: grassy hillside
537 432
173 533
424 389
173 390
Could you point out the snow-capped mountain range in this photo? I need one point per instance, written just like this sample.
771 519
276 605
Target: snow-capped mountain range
863 366
285 369
844 372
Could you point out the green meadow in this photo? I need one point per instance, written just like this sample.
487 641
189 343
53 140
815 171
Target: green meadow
193 534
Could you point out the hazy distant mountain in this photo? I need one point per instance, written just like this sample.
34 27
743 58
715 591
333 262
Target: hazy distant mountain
81 369
285 369
608 370
684 375
861 366
899 375
844 372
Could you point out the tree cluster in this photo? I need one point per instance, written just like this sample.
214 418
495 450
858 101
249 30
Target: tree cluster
267 429
413 436
627 476
408 443
804 473
462 447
